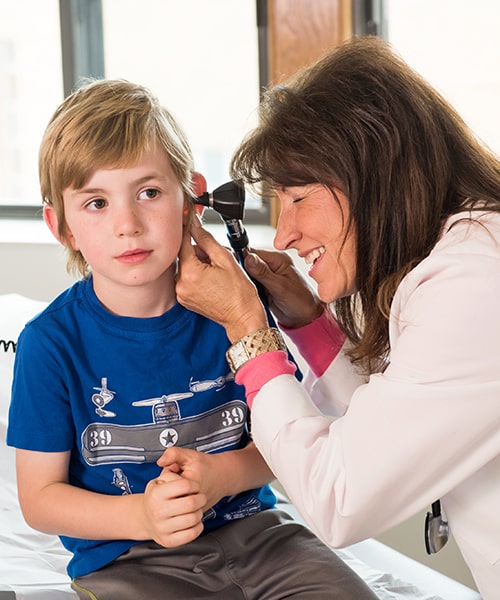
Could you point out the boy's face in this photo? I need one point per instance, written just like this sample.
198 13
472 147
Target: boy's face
127 223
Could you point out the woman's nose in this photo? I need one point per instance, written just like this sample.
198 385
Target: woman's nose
286 233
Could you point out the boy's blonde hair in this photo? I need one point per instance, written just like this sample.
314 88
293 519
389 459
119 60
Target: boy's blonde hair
105 124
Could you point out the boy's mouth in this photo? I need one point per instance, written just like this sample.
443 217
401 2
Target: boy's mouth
134 256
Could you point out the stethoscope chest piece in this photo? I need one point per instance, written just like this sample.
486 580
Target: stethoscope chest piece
437 530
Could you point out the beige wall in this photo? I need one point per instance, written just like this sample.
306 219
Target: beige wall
34 270
408 538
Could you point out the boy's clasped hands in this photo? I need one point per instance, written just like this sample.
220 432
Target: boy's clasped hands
175 502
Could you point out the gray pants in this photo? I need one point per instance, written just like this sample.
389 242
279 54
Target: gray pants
266 556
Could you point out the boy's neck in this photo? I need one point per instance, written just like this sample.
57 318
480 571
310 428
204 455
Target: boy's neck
142 301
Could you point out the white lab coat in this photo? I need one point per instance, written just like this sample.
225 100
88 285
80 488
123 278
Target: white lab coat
427 428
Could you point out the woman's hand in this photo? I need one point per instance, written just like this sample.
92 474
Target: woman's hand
289 297
211 282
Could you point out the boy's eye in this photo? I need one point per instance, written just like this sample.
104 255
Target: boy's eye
148 194
96 204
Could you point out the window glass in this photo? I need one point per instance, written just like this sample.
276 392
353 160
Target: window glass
30 90
201 58
454 44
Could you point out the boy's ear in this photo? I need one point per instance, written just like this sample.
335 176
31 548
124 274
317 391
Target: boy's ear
50 218
199 188
52 222
199 183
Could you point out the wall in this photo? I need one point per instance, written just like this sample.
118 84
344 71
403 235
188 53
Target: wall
34 270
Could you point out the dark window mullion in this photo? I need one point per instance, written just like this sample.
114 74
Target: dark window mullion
82 41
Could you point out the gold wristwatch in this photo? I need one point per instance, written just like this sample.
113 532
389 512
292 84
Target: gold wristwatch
253 344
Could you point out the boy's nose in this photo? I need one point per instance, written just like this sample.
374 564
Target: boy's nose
127 223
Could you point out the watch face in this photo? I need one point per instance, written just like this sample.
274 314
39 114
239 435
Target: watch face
258 342
239 353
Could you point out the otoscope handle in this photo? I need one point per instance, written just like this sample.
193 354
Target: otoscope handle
237 236
238 239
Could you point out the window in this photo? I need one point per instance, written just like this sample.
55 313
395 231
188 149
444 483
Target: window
454 45
31 76
201 59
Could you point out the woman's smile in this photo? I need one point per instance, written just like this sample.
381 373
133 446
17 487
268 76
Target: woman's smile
311 258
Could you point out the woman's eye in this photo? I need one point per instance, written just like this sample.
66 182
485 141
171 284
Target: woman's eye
149 194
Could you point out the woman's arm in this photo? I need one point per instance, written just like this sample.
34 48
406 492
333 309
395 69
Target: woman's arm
169 511
411 434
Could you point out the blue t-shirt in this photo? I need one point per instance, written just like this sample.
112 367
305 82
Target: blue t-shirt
116 392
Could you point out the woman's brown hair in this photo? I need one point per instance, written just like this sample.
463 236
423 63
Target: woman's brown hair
362 120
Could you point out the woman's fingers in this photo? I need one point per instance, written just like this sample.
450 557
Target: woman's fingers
289 296
211 282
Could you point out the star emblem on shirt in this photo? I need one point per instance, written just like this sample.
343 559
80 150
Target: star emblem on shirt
168 437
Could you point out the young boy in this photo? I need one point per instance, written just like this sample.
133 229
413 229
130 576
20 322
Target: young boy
114 372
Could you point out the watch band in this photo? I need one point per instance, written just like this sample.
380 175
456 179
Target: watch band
253 344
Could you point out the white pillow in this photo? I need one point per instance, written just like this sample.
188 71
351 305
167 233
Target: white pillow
15 311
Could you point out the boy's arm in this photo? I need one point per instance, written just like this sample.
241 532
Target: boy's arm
169 511
219 475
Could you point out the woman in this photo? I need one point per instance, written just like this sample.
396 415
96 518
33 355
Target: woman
395 207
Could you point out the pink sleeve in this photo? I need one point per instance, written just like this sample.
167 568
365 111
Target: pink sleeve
318 343
261 369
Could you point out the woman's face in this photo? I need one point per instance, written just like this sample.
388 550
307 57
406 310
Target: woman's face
314 222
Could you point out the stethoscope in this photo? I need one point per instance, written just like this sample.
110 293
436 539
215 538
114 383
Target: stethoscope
437 530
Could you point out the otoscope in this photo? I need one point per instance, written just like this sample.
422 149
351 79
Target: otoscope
229 201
